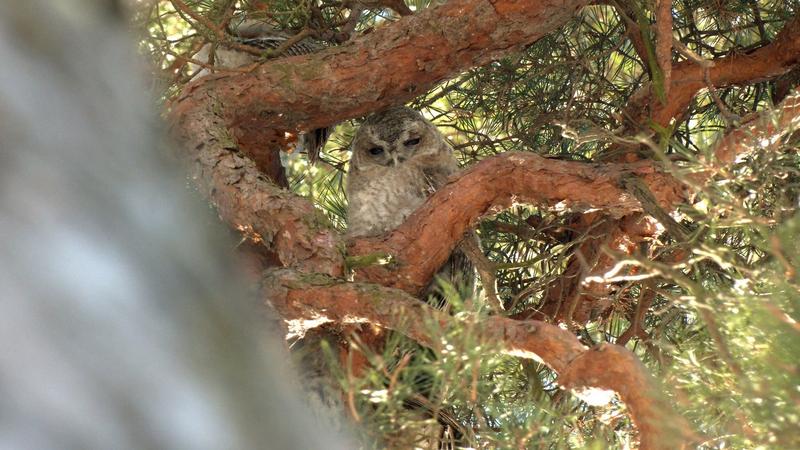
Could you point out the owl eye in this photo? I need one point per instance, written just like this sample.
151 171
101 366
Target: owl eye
375 151
411 142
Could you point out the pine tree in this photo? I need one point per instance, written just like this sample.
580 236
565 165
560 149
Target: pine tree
631 168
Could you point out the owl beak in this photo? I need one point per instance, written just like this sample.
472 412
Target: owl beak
395 162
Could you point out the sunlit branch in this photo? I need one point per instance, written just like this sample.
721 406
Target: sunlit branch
317 299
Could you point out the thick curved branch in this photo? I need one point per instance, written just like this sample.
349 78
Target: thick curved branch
217 115
689 77
422 244
292 229
300 237
295 232
318 299
764 130
395 63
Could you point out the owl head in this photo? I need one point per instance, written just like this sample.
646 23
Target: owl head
394 137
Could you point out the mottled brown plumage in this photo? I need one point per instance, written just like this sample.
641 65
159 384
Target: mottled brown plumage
398 160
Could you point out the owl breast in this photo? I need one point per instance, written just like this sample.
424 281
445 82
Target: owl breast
381 200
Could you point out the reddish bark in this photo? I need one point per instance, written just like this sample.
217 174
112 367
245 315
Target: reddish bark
761 132
263 146
664 41
301 297
393 64
312 91
422 244
688 77
570 299
292 229
567 294
613 367
562 297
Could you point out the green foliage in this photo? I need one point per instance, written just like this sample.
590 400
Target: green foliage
719 321
741 295
499 401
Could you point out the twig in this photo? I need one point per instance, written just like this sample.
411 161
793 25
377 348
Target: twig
664 40
646 297
730 118
218 31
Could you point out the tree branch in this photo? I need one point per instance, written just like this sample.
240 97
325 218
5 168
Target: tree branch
664 41
299 235
688 78
311 91
762 131
423 243
319 299
290 227
314 91
216 116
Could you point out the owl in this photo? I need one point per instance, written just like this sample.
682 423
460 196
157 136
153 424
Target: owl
398 160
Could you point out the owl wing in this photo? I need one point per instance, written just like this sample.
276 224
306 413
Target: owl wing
436 176
457 271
